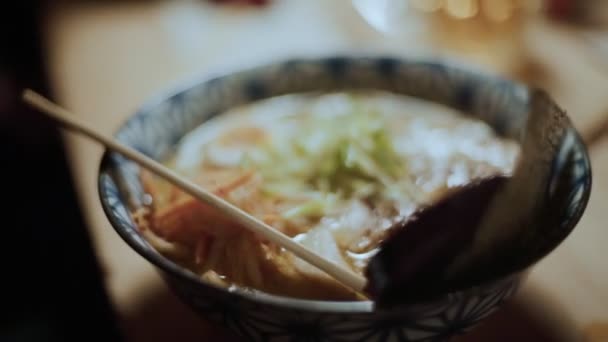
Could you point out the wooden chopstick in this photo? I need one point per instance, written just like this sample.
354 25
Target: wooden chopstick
70 121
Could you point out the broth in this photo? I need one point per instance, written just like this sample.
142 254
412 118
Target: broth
333 171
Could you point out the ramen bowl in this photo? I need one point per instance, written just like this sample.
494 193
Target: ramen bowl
158 127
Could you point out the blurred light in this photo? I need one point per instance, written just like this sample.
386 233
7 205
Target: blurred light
461 9
498 10
382 14
427 5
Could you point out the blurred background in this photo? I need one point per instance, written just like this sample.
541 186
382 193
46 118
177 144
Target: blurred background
67 275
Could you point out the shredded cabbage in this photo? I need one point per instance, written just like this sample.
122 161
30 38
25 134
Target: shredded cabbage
348 154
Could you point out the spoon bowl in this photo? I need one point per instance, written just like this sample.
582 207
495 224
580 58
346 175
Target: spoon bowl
412 262
450 243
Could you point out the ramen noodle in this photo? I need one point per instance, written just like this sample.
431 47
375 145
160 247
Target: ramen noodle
335 172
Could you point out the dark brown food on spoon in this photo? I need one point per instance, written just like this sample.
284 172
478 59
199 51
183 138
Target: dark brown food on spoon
411 262
474 234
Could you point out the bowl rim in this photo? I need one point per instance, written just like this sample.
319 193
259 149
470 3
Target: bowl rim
164 264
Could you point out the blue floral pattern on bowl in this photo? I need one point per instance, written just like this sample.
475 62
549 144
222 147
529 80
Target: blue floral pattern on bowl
157 127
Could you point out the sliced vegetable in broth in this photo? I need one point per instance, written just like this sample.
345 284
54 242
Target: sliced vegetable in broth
333 171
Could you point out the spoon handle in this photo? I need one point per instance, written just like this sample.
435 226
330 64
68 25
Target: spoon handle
514 211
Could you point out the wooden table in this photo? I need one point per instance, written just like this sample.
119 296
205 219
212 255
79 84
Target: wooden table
105 58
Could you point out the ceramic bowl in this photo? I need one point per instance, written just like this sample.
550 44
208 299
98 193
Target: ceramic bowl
158 126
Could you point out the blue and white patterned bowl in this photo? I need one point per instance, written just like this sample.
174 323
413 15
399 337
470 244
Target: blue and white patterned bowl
156 129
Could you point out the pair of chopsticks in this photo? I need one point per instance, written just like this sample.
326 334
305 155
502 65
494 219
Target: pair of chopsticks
68 120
